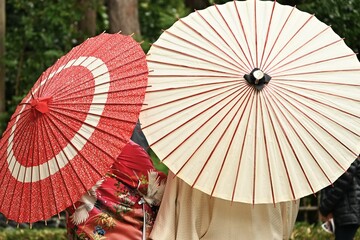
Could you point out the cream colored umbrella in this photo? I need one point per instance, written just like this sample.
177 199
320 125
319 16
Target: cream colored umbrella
252 101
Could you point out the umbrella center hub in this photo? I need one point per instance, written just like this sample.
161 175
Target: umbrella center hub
257 78
40 105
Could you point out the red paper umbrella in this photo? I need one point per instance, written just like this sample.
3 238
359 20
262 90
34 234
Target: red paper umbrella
253 101
67 131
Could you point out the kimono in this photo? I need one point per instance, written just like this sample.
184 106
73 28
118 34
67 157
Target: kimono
122 205
187 213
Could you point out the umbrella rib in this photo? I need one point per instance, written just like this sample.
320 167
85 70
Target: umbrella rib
277 38
313 99
246 100
314 110
286 136
320 71
262 103
221 100
222 135
243 141
12 170
274 68
191 86
67 91
200 47
66 58
278 80
88 140
42 200
66 156
290 39
282 155
57 164
245 36
31 147
74 53
91 114
242 66
207 40
256 37
191 57
233 87
280 94
210 133
301 46
311 64
267 34
255 144
248 65
191 67
60 99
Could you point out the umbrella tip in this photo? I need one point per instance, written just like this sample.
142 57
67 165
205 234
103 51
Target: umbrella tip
131 35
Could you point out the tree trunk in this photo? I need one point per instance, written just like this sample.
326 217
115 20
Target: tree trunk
2 55
88 23
124 17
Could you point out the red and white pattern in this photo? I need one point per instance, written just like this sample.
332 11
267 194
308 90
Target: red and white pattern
67 131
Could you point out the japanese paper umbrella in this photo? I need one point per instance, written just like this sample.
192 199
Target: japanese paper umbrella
67 131
253 101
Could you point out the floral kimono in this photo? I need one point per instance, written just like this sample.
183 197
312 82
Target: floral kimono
120 203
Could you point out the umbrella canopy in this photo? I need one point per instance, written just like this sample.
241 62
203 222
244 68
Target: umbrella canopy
68 130
253 101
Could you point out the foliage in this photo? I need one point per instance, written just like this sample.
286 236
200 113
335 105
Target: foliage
305 231
33 234
343 16
157 15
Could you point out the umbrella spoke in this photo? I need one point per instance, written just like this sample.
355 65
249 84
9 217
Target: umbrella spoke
262 103
110 134
277 139
267 35
194 68
277 39
297 93
192 57
275 73
61 62
289 143
243 66
244 33
209 41
276 67
231 88
283 92
290 39
67 91
275 99
238 167
246 97
78 96
233 96
46 138
194 117
198 47
236 99
304 44
15 167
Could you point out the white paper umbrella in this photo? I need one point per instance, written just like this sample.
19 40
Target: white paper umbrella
253 101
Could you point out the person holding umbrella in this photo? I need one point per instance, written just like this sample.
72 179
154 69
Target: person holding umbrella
342 203
122 205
